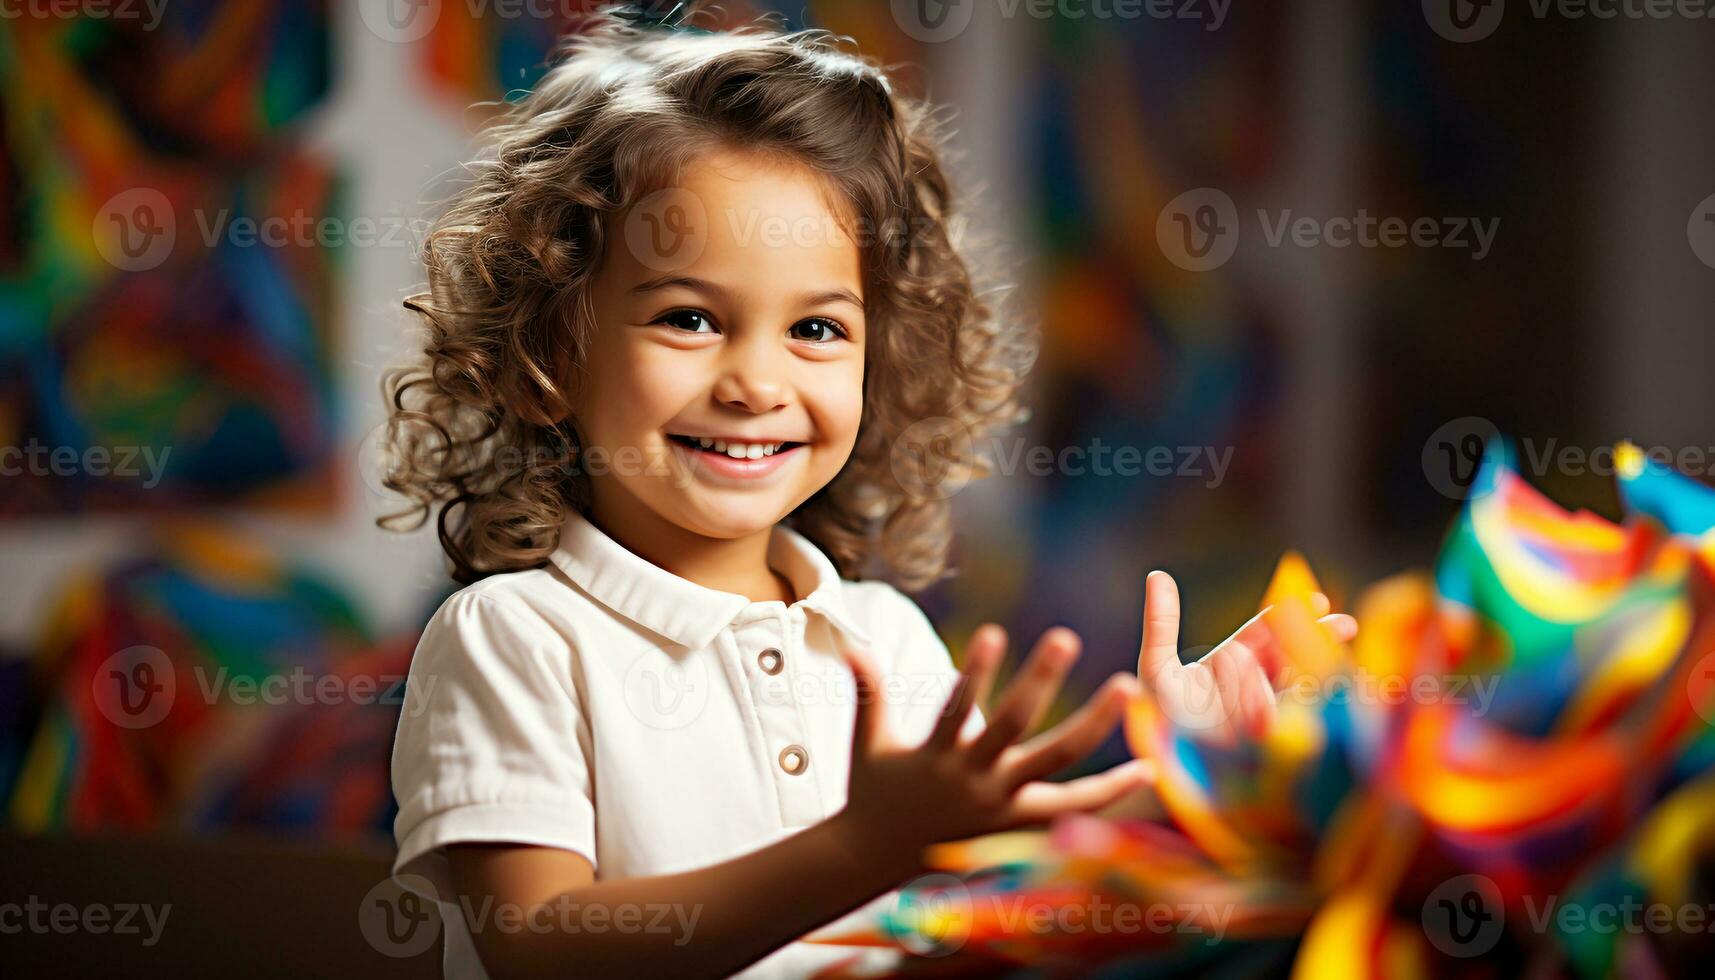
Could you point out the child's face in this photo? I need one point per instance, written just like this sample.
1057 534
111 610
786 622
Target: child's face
742 323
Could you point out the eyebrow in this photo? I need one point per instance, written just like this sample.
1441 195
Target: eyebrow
838 295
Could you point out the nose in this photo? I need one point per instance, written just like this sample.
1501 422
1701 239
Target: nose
754 378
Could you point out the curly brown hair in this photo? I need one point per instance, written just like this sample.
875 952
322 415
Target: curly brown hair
511 258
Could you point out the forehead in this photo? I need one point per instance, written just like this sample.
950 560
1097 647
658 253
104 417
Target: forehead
771 183
734 215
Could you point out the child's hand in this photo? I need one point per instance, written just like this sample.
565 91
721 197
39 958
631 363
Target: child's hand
903 798
1231 688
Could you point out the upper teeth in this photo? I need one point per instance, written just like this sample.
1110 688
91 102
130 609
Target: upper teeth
740 450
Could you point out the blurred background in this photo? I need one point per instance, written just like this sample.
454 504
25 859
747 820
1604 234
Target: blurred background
1302 258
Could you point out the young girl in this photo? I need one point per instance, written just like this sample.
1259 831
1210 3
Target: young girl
680 323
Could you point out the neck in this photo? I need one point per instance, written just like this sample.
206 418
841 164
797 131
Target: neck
737 565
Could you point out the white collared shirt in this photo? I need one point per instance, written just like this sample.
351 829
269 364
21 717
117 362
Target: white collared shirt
604 705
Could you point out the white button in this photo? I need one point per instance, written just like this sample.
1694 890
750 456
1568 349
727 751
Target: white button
770 661
794 759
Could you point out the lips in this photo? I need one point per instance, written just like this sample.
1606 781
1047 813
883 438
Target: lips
735 448
723 467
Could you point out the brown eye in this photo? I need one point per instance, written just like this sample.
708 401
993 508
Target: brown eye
690 321
818 330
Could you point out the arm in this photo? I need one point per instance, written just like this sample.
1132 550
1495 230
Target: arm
901 799
721 918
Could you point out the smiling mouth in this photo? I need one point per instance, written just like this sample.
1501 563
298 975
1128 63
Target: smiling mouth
733 449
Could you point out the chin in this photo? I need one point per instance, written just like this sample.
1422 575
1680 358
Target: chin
730 518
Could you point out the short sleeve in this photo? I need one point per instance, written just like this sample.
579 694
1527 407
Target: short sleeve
923 669
493 744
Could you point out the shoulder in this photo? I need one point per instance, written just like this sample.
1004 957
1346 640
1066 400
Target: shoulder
513 617
535 599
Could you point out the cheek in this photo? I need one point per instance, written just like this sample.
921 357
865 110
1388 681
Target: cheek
635 391
839 404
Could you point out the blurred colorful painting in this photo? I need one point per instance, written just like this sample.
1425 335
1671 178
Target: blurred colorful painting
166 279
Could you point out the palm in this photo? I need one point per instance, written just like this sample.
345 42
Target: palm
1232 688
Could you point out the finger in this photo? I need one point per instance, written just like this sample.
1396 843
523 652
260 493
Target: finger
982 654
1256 637
985 685
1160 649
866 714
1344 627
1246 693
1028 696
1074 738
1040 802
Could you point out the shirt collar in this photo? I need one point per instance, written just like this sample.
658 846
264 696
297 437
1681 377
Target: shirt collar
683 611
